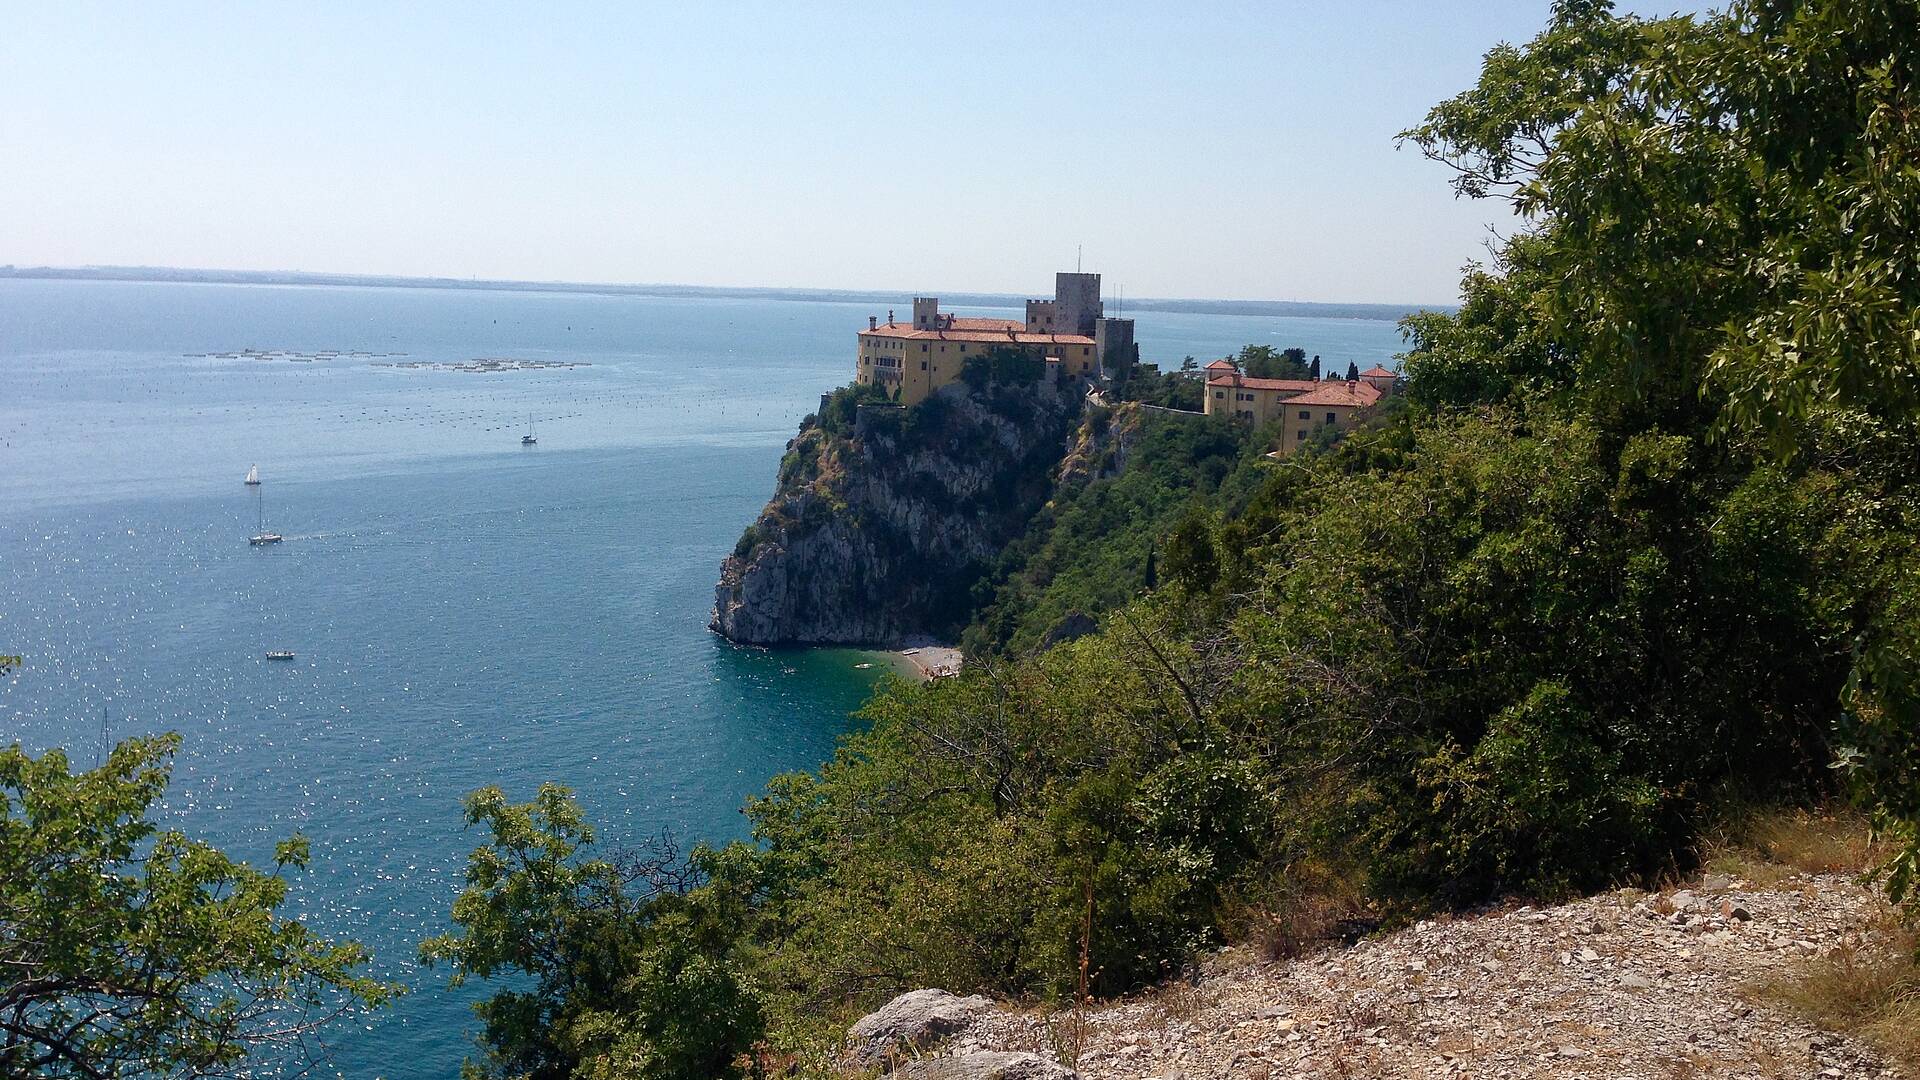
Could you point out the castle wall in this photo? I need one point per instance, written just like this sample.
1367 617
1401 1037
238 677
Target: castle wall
1108 335
1040 316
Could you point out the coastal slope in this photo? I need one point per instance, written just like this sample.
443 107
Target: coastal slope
884 518
1623 984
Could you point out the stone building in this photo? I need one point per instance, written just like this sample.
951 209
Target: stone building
1304 405
912 359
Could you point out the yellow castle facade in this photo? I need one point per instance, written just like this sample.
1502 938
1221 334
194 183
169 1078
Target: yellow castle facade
910 360
1304 406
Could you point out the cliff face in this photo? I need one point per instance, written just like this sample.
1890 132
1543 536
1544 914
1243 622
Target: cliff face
876 535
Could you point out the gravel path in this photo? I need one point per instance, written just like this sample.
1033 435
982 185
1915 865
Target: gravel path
1623 986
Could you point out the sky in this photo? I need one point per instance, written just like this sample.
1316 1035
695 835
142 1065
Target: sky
1189 150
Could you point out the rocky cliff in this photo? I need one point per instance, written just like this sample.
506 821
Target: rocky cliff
880 525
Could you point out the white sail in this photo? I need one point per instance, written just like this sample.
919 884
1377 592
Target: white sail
253 474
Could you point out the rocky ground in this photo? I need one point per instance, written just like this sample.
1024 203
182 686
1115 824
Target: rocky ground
1619 986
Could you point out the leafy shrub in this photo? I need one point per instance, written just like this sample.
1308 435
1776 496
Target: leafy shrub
618 966
836 414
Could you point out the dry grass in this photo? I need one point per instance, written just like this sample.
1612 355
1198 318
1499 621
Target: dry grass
1870 989
1068 1032
1182 999
1769 846
1312 905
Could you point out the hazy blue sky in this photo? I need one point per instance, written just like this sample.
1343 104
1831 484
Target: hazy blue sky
1222 150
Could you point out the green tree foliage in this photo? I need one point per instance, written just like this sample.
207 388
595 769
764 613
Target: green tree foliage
619 968
1191 557
837 410
1266 362
1725 237
128 950
1083 552
1433 618
1130 380
1019 828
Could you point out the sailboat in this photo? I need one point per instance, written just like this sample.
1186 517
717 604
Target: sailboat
253 476
528 439
263 536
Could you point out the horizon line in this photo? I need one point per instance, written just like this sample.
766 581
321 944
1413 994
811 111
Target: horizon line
210 275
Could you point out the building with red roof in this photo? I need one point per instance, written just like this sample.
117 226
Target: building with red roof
912 359
1304 405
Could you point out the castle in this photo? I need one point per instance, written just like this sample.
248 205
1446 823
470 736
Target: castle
1306 405
1073 336
1070 332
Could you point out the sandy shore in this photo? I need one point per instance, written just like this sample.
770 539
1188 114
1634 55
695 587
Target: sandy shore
933 661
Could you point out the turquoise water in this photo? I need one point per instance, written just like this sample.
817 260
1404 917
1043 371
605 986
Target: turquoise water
464 610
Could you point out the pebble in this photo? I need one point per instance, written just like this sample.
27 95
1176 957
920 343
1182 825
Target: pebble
1669 984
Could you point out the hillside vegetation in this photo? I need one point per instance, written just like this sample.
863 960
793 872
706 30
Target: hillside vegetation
1642 545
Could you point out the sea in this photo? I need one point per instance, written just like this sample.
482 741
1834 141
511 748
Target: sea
463 609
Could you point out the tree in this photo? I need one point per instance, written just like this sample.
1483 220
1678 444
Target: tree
1721 239
1191 557
1313 371
1266 362
127 950
629 974
1353 371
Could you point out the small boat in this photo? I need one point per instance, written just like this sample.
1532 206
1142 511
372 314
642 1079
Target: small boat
263 536
527 439
253 476
279 654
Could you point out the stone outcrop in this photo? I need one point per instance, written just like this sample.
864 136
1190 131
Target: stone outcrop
911 1022
876 536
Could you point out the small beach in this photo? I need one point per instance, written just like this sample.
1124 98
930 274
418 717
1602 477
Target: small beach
933 661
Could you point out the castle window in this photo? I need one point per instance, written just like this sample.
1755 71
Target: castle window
1331 418
1300 436
1305 415
923 365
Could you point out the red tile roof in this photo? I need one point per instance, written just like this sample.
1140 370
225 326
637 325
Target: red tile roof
1222 365
1245 382
1307 391
1356 395
964 322
1377 370
1008 331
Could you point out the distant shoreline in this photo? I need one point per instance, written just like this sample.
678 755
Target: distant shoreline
1281 308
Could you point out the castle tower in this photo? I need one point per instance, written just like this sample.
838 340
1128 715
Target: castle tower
1076 303
926 313
1109 335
